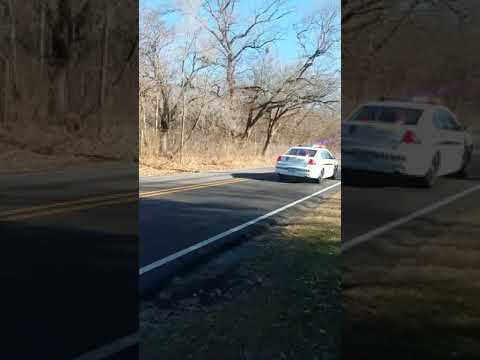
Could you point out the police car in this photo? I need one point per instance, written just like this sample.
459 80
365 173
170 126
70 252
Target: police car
307 162
419 138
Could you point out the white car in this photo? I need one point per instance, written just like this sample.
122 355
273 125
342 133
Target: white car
307 162
419 138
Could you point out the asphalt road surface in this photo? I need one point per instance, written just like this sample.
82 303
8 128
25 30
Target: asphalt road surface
371 203
70 257
69 272
177 213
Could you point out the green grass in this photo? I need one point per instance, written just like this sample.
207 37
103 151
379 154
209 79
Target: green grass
293 312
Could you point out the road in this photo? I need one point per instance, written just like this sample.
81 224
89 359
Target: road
371 203
408 253
185 212
71 253
69 272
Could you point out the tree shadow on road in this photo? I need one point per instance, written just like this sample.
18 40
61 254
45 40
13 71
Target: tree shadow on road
67 278
272 177
376 180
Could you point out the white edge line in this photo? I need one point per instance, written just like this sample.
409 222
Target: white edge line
393 224
133 339
110 349
204 243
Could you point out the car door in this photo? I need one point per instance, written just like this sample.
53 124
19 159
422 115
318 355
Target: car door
446 141
457 141
329 162
449 141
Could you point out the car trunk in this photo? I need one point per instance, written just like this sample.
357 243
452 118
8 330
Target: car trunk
294 161
376 136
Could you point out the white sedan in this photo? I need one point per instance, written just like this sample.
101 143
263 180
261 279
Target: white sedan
418 138
307 162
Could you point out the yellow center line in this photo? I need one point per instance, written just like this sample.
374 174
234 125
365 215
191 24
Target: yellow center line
94 199
54 211
75 205
187 188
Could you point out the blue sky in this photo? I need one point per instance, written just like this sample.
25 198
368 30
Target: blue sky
286 48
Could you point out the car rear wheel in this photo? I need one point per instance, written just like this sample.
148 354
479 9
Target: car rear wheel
432 174
335 172
320 178
465 170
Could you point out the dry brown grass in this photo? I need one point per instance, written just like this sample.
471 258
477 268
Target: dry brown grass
157 165
207 154
210 152
30 147
413 293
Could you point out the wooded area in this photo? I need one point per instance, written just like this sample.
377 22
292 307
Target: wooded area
213 91
408 48
68 84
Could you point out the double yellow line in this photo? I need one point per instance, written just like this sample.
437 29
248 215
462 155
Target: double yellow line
147 194
97 201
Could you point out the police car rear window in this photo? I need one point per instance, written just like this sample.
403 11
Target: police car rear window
302 152
388 115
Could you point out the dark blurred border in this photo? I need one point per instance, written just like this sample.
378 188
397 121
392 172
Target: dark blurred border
410 254
69 178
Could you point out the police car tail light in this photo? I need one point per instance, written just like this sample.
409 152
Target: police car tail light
311 162
410 138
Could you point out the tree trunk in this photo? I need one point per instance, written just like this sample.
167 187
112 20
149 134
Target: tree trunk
182 134
230 77
60 92
103 83
266 145
157 128
156 113
13 44
270 134
5 91
164 141
144 120
247 133
42 38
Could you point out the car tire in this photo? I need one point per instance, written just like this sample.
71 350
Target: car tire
335 173
281 177
465 170
320 178
432 174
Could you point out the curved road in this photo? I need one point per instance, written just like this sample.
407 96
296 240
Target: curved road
180 212
70 255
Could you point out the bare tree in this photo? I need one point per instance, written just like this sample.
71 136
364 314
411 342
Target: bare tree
209 83
301 87
170 71
359 16
64 48
234 36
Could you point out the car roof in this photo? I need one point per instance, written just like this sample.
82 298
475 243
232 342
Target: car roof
308 148
405 104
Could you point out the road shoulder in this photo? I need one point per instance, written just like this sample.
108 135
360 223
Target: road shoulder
413 292
276 296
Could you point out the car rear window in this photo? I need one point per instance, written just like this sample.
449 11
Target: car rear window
388 114
302 152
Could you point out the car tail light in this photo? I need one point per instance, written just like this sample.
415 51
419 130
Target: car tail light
410 138
279 158
311 162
